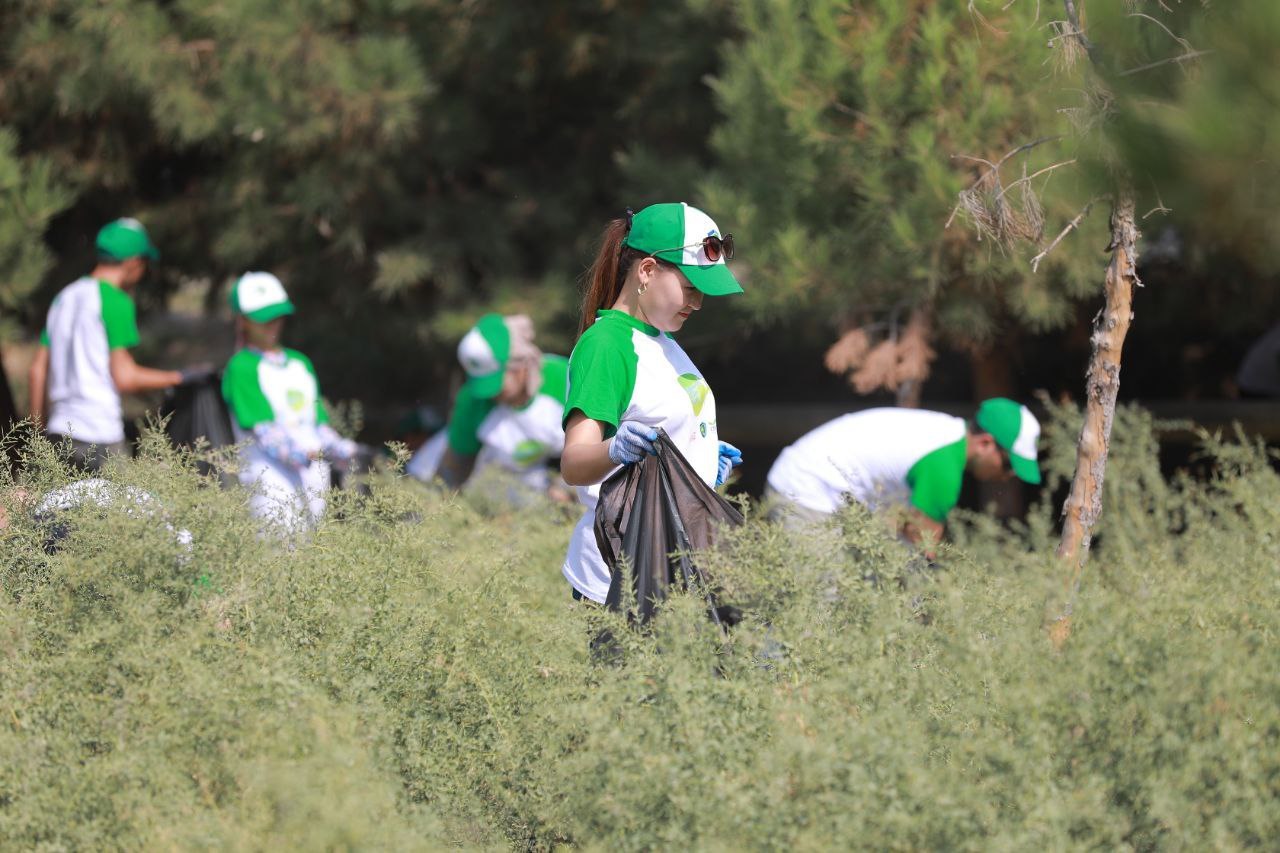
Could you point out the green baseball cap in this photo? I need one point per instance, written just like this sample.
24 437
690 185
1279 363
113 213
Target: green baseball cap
675 232
484 352
125 239
260 296
1015 429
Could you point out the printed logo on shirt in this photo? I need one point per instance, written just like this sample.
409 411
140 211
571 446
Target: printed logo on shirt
529 451
295 399
702 428
696 388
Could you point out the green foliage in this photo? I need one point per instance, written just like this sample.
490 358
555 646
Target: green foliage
416 675
442 158
30 196
1194 116
849 132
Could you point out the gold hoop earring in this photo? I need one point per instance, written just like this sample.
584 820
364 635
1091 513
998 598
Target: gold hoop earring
640 291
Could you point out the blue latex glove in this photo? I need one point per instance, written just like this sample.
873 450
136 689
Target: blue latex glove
730 458
632 441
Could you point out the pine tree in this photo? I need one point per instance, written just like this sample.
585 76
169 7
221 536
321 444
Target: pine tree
402 165
840 125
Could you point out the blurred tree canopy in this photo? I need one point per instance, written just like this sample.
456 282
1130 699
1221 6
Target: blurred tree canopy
402 164
1195 111
407 164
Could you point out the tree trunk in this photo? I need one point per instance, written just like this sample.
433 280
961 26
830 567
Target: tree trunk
1084 503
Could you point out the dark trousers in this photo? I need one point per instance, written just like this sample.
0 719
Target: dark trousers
89 457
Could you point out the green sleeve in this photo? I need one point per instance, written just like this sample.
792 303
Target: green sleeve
322 414
240 388
464 422
555 377
602 375
119 317
44 337
935 480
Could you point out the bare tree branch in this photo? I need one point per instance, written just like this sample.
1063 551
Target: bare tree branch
968 200
1186 45
1185 57
974 13
1071 226
1073 17
1026 178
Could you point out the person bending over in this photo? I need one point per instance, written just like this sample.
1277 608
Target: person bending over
909 459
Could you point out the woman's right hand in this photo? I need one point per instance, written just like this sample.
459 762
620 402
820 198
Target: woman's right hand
631 442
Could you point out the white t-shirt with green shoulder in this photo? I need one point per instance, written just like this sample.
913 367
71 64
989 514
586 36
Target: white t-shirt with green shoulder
625 370
87 320
521 440
878 457
274 387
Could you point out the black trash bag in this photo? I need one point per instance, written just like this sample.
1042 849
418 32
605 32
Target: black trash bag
656 513
196 410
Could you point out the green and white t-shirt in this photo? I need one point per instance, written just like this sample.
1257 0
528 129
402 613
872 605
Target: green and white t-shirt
274 387
519 440
880 458
625 370
87 320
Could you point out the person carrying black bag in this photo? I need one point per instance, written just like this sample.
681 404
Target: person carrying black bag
628 377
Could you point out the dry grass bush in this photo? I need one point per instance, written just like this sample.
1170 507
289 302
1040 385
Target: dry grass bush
415 674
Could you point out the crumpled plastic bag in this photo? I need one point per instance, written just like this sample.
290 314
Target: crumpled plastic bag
654 516
196 410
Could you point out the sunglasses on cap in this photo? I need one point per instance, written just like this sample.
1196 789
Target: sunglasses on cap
714 247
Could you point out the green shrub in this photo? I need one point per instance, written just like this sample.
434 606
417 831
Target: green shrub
414 674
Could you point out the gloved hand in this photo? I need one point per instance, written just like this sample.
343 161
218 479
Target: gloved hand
335 447
730 458
197 373
631 442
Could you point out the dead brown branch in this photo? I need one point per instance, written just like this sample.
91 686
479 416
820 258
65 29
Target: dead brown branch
881 354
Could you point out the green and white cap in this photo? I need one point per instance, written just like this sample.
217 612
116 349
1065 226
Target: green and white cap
484 352
125 239
260 296
1015 429
674 232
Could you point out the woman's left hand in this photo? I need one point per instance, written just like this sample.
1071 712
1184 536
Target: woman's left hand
730 458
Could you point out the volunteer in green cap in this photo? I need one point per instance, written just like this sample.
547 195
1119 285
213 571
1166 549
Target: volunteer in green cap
83 364
274 399
627 375
903 458
507 413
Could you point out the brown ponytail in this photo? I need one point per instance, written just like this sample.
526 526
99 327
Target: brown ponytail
608 272
605 275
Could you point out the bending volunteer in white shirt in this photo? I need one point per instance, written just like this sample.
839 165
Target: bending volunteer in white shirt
275 405
906 458
83 363
507 414
627 375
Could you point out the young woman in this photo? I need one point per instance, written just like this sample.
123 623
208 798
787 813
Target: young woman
627 374
275 403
